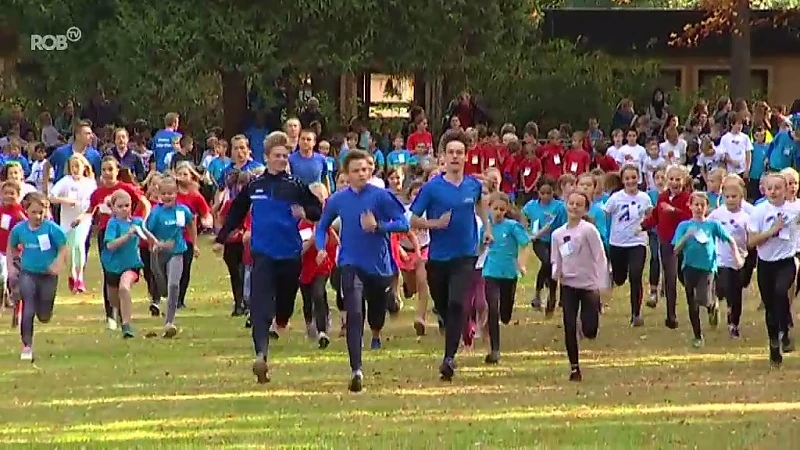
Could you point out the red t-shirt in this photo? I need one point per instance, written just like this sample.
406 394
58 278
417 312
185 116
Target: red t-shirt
606 163
511 165
247 257
237 234
10 215
196 204
576 161
529 171
474 163
98 201
419 137
310 268
552 160
494 156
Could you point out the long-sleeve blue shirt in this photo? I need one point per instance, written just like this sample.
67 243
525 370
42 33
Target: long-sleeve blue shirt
369 252
783 151
274 229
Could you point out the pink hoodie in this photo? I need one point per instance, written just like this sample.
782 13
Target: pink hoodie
578 257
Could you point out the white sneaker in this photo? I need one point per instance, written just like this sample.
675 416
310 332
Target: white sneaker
111 324
26 354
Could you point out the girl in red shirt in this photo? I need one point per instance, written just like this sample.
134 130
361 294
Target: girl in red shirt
530 169
11 213
313 279
233 252
421 135
100 210
189 196
552 155
577 160
474 161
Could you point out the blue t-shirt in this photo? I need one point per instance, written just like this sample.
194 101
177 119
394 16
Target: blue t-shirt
782 151
397 158
167 223
700 250
759 155
126 257
380 161
162 146
248 166
714 200
217 165
539 215
309 170
331 169
601 221
439 196
58 160
501 260
256 137
39 247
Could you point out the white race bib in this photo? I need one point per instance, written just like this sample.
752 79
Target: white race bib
701 237
474 160
573 167
305 234
5 222
44 242
565 249
491 162
401 158
556 159
535 227
104 208
180 218
784 234
330 166
526 172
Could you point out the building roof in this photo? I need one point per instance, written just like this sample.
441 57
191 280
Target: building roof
646 32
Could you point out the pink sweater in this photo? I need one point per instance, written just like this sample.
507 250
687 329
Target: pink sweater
578 257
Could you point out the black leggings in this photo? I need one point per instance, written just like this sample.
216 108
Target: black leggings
336 284
627 263
573 301
729 286
449 282
775 279
315 302
186 276
500 293
101 234
698 286
149 278
545 276
233 254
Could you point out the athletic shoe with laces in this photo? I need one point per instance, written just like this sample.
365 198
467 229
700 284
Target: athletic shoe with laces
323 341
111 324
26 354
356 382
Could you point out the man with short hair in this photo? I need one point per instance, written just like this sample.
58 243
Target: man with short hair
307 165
447 205
278 203
163 139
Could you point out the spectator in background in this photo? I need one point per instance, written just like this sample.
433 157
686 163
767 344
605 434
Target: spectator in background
657 112
125 157
311 113
50 136
624 117
17 117
256 134
66 120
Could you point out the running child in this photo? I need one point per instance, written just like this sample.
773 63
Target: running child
581 268
14 172
657 185
11 213
505 261
412 266
169 222
233 249
544 215
73 192
43 254
120 258
475 308
696 239
730 276
188 195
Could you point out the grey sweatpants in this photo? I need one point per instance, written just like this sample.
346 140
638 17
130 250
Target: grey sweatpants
167 271
38 293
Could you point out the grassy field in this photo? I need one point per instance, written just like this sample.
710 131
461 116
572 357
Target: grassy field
642 388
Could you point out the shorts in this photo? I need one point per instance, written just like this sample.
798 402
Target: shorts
113 279
413 260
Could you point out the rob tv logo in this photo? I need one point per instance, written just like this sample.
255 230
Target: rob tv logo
59 42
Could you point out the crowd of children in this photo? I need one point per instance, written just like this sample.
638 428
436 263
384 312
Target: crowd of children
452 225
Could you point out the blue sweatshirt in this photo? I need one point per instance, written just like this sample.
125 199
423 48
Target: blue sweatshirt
369 252
274 231
783 151
162 146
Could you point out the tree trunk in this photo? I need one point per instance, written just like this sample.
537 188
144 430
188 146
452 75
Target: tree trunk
740 51
234 102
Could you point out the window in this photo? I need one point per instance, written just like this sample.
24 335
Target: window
759 79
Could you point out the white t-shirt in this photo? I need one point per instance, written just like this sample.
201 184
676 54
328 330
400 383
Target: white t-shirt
79 190
628 154
25 189
649 167
710 162
627 212
377 182
736 225
783 245
37 175
736 147
674 154
613 152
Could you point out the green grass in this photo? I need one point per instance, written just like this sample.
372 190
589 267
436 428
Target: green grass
643 388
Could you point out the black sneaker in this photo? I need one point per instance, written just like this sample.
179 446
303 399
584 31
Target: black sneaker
536 303
713 315
733 331
447 370
670 323
492 358
575 374
155 310
238 310
787 343
775 357
637 321
324 341
356 382
261 369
